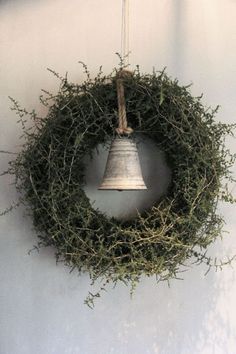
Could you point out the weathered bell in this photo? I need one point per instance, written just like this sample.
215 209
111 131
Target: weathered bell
123 171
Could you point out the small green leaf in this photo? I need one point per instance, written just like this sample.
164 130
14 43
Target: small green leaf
161 97
78 139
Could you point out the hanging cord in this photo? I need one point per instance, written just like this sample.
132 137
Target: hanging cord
123 125
125 34
123 74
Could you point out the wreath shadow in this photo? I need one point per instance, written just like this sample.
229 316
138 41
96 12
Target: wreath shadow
182 318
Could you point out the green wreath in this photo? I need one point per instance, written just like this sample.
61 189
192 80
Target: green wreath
50 177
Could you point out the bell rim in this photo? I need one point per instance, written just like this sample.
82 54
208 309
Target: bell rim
128 187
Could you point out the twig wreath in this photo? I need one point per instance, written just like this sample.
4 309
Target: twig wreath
50 173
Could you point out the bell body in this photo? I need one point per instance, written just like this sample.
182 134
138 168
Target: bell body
123 171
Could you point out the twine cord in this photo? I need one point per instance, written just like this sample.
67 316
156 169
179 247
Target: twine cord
125 33
122 74
123 124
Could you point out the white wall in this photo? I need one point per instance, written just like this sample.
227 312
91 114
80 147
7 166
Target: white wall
41 304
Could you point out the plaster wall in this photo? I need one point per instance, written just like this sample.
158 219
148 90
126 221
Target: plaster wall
41 303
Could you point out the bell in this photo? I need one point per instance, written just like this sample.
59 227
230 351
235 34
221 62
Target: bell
123 171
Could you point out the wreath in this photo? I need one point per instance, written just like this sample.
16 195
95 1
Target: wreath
50 172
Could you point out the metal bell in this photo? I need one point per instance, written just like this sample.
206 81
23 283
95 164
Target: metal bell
123 171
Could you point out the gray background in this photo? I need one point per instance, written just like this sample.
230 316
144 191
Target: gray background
41 303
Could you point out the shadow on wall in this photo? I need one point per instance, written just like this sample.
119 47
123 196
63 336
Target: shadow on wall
185 318
18 2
